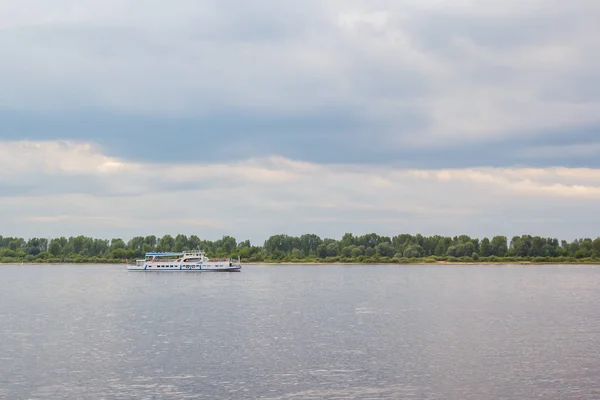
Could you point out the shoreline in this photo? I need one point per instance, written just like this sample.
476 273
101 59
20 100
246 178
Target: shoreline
433 263
473 263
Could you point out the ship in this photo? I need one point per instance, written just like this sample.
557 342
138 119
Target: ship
194 260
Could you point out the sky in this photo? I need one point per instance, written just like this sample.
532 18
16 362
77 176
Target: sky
137 117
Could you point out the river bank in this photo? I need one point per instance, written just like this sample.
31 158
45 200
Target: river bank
424 262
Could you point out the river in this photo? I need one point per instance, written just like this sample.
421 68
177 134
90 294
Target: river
301 332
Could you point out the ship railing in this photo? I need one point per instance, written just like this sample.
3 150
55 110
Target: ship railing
157 259
192 252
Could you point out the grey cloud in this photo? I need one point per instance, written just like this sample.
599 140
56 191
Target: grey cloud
8 189
576 87
42 185
437 31
334 135
282 78
340 136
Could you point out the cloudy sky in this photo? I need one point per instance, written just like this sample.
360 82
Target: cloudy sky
229 117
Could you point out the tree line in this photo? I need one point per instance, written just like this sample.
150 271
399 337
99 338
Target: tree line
367 248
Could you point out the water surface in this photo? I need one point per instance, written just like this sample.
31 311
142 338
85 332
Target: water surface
301 332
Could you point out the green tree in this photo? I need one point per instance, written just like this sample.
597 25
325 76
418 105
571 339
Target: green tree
596 247
309 243
499 246
322 250
228 244
181 243
442 246
347 251
414 251
136 244
347 240
485 247
151 241
99 247
166 243
297 254
286 247
116 244
385 249
357 252
55 248
332 250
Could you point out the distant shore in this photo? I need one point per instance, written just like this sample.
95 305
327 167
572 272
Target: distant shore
281 249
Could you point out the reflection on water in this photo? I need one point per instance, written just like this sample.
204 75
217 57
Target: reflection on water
301 332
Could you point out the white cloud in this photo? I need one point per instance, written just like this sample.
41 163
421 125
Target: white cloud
55 157
260 197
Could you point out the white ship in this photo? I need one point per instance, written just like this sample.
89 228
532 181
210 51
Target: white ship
184 261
